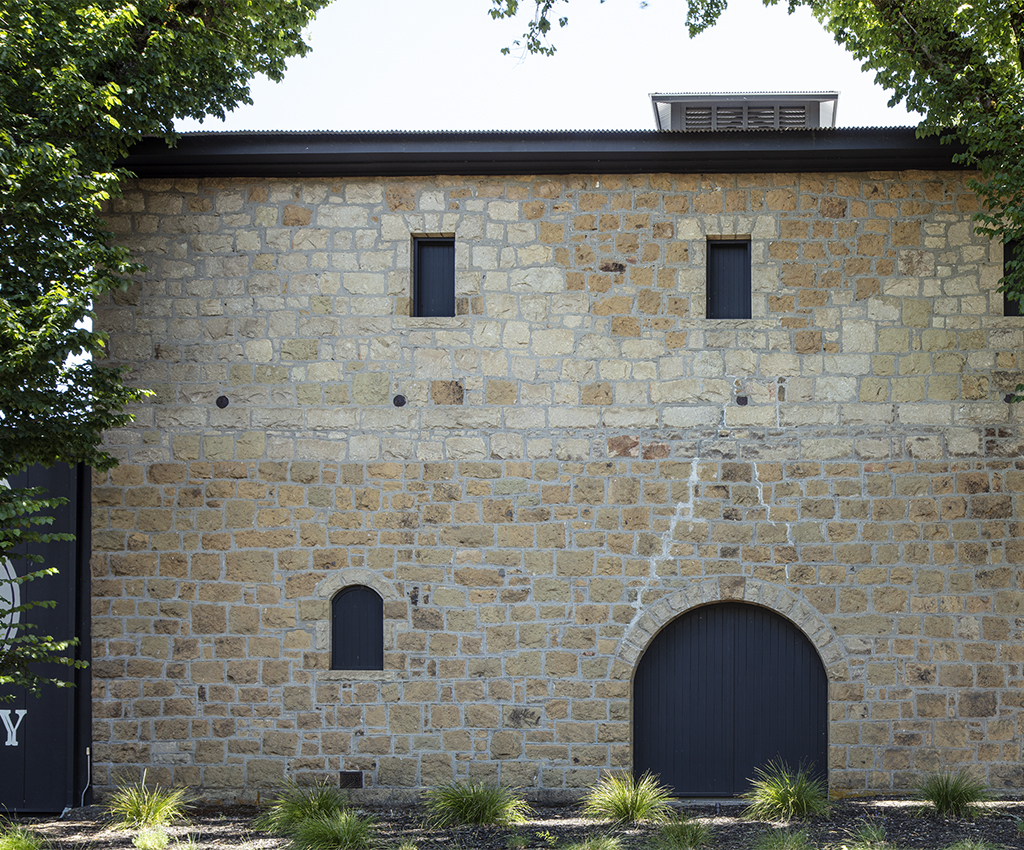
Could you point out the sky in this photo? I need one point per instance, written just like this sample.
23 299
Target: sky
414 65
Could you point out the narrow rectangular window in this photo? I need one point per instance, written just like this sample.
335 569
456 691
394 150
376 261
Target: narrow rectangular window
1011 306
728 285
433 277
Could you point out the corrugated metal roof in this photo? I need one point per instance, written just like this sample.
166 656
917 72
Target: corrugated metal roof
736 94
581 133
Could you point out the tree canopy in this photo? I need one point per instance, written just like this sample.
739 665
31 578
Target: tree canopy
959 64
80 82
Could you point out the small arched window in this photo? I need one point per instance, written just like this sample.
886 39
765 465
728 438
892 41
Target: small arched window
357 629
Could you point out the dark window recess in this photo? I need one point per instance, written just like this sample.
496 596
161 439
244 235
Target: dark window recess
1011 307
433 277
357 629
728 286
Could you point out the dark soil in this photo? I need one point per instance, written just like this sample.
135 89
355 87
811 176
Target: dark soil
230 828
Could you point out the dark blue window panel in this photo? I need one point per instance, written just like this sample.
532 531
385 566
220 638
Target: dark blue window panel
357 629
728 287
433 274
1011 307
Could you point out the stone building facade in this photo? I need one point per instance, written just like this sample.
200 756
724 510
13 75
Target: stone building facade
583 457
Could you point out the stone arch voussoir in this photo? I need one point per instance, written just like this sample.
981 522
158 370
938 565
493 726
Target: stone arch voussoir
706 591
347 578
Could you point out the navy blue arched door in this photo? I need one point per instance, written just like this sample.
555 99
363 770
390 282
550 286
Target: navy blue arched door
723 690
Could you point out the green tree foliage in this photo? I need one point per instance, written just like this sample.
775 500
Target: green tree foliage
80 82
959 64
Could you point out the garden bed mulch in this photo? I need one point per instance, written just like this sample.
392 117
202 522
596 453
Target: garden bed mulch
229 827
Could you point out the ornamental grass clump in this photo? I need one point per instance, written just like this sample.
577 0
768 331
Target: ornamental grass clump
951 794
681 833
135 806
189 842
151 838
866 836
622 798
340 830
779 793
295 804
474 804
596 842
783 839
15 837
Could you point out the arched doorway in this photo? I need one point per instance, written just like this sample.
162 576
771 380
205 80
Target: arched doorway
723 690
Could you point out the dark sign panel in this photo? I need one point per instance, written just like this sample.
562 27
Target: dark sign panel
44 740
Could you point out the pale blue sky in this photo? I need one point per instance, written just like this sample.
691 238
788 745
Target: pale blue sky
413 65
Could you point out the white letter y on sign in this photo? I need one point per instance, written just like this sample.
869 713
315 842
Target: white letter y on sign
5 716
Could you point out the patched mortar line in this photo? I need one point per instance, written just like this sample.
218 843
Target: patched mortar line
767 508
684 510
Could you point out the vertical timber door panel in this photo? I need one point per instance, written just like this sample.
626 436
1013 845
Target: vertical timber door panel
723 690
357 629
43 763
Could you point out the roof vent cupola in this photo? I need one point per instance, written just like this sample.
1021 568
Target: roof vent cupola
744 110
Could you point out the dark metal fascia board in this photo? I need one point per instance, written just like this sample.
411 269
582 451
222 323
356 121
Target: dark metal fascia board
416 154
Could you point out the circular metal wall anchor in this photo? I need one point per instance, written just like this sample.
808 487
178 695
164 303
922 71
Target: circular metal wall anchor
1008 398
400 401
741 400
222 401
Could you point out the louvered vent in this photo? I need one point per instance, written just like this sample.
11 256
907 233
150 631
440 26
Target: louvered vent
760 116
729 118
744 111
698 118
792 116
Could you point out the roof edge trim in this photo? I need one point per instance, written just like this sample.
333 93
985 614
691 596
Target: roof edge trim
394 154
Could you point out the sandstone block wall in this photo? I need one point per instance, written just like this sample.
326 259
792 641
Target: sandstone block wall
582 458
